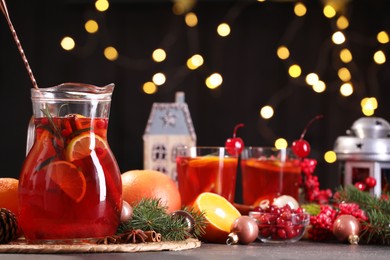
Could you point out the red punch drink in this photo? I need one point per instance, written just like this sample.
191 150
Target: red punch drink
198 173
70 184
268 173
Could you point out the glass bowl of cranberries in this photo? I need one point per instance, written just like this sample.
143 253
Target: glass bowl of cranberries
280 224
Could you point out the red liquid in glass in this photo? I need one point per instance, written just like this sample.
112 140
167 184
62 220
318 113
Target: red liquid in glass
206 174
266 179
47 211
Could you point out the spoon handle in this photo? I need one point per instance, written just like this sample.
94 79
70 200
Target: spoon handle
3 7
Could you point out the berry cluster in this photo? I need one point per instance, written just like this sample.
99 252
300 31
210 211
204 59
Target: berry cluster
322 224
369 183
312 185
280 224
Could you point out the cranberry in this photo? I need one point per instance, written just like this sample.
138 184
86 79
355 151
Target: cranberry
282 233
65 133
360 186
370 182
101 123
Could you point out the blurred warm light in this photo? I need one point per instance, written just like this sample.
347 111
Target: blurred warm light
191 19
319 86
223 29
283 52
102 5
159 79
369 103
312 78
195 62
379 57
149 88
110 53
294 71
300 9
329 11
261 1
338 38
342 23
214 81
67 43
266 112
182 6
345 55
159 55
330 157
281 143
367 112
344 74
91 26
346 89
382 37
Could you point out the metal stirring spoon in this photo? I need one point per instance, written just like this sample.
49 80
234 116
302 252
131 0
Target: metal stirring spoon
3 8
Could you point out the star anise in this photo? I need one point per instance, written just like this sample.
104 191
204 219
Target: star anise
109 240
134 236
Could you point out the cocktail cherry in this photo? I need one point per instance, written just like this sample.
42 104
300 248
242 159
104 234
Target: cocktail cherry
301 147
235 145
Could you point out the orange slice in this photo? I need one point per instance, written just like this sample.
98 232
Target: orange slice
219 214
82 145
69 178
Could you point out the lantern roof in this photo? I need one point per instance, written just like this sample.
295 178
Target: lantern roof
367 140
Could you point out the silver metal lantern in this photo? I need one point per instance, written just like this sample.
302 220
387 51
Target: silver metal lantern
365 151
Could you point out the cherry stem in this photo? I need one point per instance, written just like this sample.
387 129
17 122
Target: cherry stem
309 124
235 129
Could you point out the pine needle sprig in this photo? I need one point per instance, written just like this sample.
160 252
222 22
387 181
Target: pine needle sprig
200 222
149 214
365 200
377 230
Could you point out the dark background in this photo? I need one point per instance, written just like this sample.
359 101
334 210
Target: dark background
253 76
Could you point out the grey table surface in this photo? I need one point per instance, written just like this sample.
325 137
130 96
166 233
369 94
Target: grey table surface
299 250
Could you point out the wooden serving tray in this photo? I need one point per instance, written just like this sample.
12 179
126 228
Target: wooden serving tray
21 247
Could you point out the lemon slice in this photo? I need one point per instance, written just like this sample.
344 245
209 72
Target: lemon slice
69 178
82 145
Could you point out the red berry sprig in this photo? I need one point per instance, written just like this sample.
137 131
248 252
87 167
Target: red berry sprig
369 183
301 147
235 145
322 223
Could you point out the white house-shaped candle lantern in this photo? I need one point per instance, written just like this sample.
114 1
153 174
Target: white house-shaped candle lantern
169 126
365 152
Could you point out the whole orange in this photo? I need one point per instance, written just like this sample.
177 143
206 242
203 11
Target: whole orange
9 194
139 184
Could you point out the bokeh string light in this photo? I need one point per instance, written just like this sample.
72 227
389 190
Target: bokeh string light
335 12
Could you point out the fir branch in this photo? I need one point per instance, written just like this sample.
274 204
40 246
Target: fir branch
149 215
365 200
377 230
200 222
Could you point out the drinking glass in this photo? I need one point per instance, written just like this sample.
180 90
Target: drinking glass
268 172
205 169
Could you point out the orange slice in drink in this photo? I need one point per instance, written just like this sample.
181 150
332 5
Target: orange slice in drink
69 178
219 213
82 145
